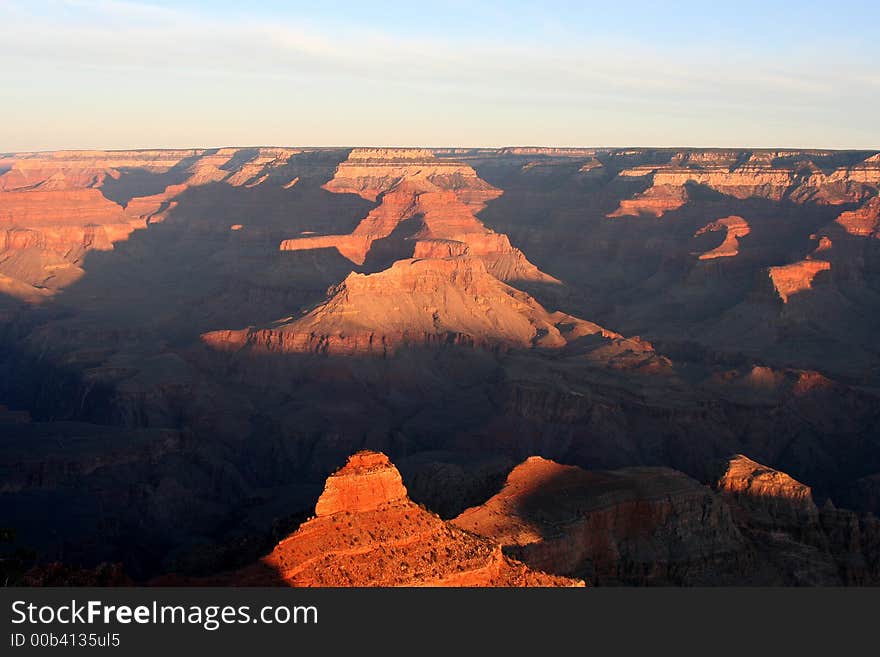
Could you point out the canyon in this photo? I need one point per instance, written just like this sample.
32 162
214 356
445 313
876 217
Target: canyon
613 366
367 532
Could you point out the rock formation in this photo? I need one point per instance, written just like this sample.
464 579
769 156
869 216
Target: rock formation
57 206
767 492
734 228
368 533
631 526
864 222
432 301
656 201
373 172
440 197
793 539
657 526
796 277
765 174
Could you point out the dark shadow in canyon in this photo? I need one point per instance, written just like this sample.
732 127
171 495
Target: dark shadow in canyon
191 273
135 181
398 245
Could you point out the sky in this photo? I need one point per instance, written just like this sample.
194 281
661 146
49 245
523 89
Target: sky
156 74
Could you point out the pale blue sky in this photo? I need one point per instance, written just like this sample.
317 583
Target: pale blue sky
153 73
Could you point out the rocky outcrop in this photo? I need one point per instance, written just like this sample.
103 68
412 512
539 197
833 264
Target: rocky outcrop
655 202
658 526
796 277
373 172
437 301
771 175
78 207
734 228
767 493
794 539
854 543
863 222
55 207
631 526
368 533
44 236
434 203
366 482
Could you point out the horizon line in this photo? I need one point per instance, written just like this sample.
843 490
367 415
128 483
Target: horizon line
446 147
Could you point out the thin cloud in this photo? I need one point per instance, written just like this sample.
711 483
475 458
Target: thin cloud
613 76
170 38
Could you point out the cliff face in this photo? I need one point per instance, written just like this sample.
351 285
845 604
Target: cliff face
768 493
442 301
796 277
56 207
632 526
863 222
734 228
433 202
448 292
656 201
368 533
373 172
801 544
657 526
769 175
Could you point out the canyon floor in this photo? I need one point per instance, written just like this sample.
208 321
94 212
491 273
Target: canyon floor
519 366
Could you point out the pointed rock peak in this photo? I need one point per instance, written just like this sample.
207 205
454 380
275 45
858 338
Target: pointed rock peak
367 481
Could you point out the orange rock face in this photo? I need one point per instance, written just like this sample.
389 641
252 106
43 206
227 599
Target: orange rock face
453 300
372 172
656 201
367 481
796 277
632 525
55 207
441 197
760 176
45 233
734 228
763 487
864 222
368 533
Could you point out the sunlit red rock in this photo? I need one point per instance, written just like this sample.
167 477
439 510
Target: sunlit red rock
55 207
367 532
636 525
436 301
372 172
771 175
769 491
863 222
734 228
656 201
796 277
441 197
366 482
